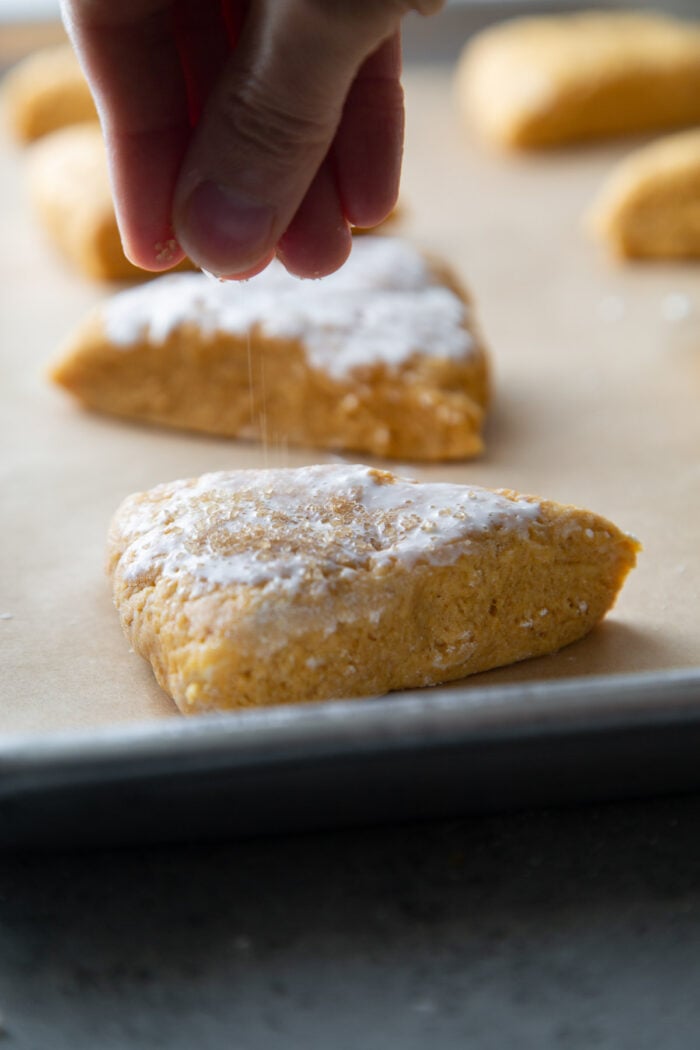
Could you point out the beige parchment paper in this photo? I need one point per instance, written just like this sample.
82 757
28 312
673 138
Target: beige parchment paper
597 402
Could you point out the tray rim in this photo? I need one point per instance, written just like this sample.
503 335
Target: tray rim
441 717
451 716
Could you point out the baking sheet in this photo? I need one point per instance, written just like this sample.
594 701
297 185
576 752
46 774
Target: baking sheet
597 373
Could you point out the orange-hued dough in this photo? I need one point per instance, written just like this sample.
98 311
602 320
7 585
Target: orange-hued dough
649 206
383 357
46 91
548 80
262 587
70 192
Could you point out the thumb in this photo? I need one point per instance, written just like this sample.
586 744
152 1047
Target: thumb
268 126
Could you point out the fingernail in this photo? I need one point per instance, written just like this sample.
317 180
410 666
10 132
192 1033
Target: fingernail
253 271
224 231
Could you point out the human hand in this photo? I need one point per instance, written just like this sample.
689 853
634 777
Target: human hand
241 129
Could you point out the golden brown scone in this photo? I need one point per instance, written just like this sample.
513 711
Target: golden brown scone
550 80
381 357
649 208
70 191
46 91
277 586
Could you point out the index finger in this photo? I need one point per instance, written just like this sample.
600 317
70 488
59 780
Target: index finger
130 56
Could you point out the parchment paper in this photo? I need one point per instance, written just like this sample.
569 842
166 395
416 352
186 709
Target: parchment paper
597 402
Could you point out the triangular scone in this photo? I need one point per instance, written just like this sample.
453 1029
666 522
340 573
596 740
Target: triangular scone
46 91
547 80
649 208
268 586
70 192
381 357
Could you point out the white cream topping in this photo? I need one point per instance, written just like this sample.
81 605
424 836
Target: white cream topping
382 306
301 529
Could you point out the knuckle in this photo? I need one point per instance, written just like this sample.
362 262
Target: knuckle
261 124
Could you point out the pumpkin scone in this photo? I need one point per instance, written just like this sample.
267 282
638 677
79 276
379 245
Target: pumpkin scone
551 80
381 357
46 91
649 207
259 587
70 192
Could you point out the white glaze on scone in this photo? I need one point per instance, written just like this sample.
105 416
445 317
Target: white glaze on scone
261 587
305 527
383 306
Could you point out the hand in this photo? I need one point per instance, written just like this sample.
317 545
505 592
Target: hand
241 129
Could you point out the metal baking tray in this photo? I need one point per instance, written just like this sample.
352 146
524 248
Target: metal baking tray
417 755
597 386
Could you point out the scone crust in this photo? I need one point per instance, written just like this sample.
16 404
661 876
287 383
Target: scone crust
47 91
551 80
649 207
256 386
539 577
70 192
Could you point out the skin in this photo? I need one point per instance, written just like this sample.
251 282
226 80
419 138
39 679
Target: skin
242 129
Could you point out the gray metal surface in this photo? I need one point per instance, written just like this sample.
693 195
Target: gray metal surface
449 750
570 930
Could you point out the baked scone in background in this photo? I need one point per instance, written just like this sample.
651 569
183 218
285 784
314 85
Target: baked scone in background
46 91
649 207
70 192
281 586
383 356
556 79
